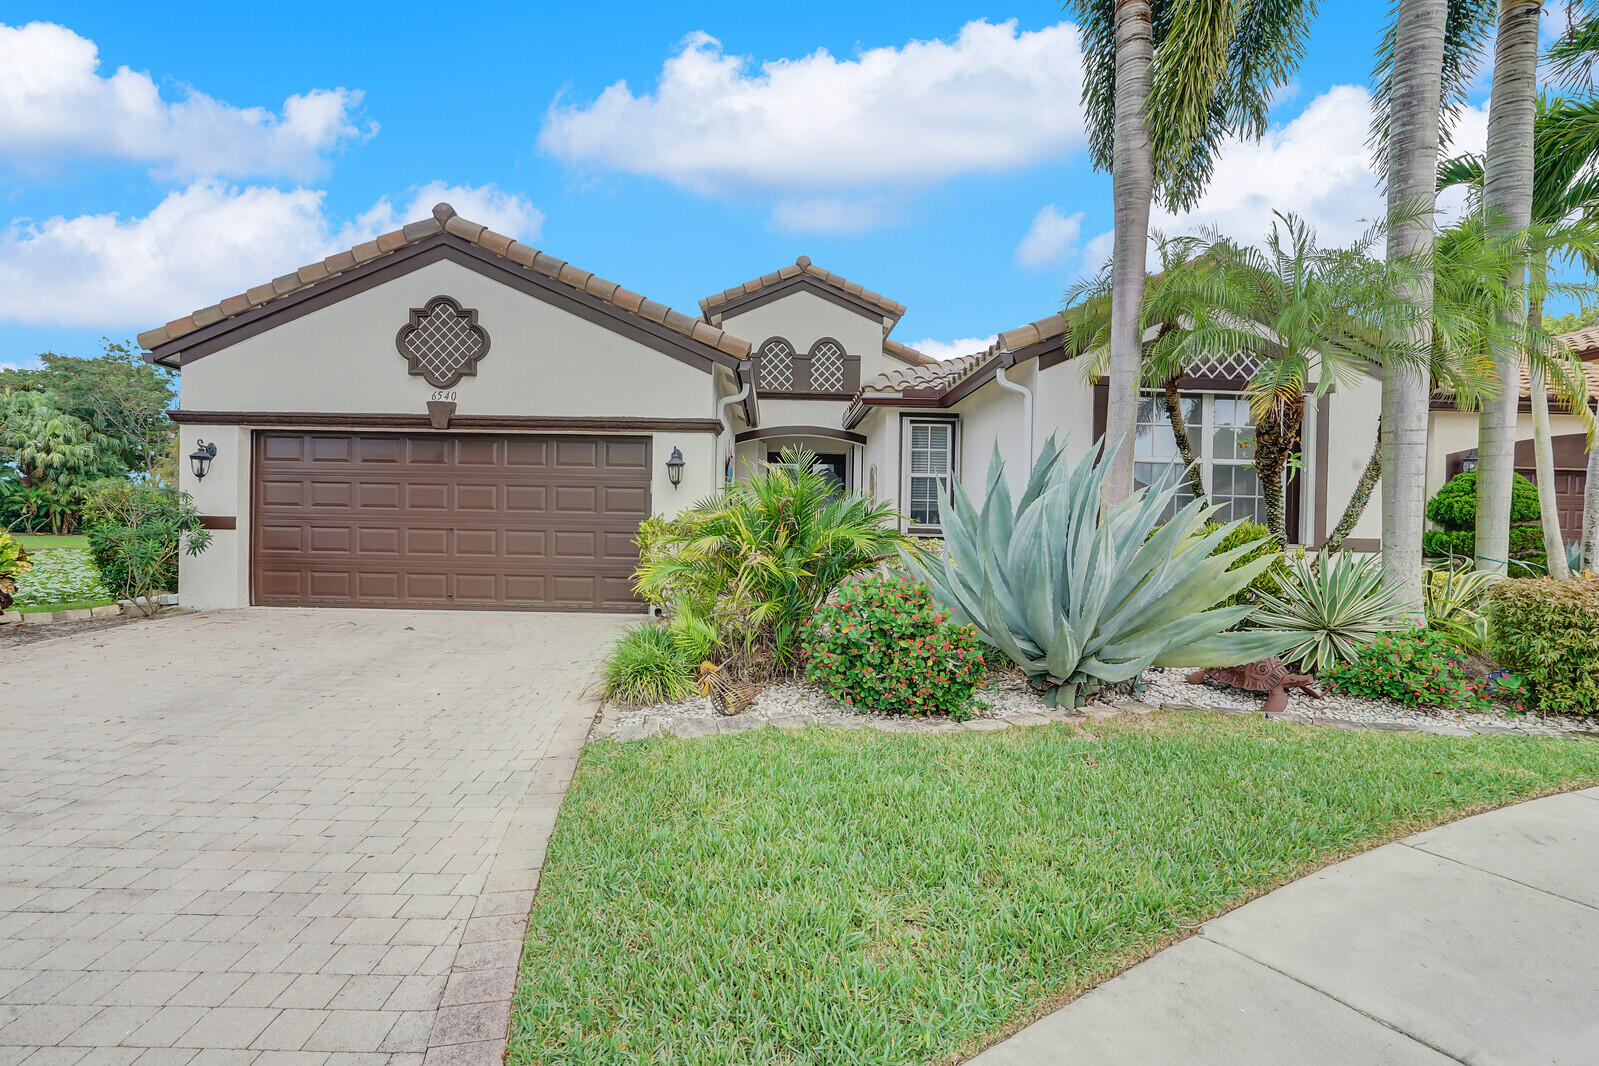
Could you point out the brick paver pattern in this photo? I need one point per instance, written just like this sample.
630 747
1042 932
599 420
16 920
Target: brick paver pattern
290 838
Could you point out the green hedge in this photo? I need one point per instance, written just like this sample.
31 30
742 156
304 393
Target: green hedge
1547 631
1454 507
1463 542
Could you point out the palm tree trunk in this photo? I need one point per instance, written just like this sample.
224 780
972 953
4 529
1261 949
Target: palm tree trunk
1412 181
1275 437
1543 445
1507 198
1179 430
1132 186
1590 512
1358 499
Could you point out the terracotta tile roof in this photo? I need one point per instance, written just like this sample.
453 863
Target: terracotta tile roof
802 265
445 220
1585 342
906 354
942 376
1590 370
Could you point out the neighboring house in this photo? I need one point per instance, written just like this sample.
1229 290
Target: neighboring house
443 417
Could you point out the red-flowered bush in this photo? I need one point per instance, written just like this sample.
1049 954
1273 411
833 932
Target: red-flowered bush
1419 668
882 645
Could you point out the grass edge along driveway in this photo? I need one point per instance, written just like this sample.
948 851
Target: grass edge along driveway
838 896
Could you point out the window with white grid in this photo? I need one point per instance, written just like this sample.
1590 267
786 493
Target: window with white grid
1222 434
929 463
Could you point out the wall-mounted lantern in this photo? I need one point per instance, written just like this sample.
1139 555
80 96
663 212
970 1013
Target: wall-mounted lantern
674 467
1469 463
200 459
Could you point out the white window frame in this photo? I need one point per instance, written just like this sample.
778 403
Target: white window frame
1201 435
907 425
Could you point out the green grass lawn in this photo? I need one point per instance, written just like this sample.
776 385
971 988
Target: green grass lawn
72 605
854 897
38 542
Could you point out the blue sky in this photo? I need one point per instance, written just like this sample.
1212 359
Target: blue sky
931 151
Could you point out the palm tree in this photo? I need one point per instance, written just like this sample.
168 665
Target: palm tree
1411 110
1164 82
1563 207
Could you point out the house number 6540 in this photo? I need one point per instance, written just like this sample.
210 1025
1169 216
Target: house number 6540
443 394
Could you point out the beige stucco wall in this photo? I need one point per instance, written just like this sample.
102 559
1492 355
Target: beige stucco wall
542 360
1063 406
1456 431
992 415
803 318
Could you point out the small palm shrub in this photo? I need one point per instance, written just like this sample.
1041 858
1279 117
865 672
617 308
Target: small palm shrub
136 533
14 562
764 554
1333 605
881 644
1547 631
648 666
1079 601
1419 668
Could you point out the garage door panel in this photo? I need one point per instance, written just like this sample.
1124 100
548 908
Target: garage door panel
394 520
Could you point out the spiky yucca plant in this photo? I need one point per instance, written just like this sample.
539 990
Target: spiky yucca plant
1334 604
1081 601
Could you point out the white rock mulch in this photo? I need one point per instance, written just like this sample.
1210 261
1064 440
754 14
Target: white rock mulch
1010 702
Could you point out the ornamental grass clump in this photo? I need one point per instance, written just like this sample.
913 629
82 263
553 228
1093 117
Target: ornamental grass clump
882 644
1082 601
1547 631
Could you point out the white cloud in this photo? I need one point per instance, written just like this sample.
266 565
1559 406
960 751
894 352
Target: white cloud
833 216
1096 253
1051 239
198 245
994 99
503 212
954 349
55 106
1316 165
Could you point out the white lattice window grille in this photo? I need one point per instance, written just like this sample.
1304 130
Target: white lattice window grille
442 342
930 467
827 366
1237 367
777 365
1222 434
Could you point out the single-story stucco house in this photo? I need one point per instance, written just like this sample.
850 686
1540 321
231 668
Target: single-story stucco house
443 417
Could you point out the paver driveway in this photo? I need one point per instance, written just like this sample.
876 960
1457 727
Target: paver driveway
280 836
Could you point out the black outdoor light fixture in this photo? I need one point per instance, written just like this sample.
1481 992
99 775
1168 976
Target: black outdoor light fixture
200 459
674 467
1469 463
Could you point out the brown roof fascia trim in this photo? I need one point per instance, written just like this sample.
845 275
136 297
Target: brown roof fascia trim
515 423
831 433
1524 407
775 394
748 302
976 379
429 250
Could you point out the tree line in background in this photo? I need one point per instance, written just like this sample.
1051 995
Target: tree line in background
1453 309
71 423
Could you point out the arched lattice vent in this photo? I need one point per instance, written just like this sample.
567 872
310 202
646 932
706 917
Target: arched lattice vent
776 372
827 366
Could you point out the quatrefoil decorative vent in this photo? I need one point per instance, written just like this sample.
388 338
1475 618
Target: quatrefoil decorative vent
443 342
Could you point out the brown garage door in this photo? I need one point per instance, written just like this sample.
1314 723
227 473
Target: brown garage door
1569 486
463 521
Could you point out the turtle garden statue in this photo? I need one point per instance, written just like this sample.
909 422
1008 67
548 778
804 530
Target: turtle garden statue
1267 675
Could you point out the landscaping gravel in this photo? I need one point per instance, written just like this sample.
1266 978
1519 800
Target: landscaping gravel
793 704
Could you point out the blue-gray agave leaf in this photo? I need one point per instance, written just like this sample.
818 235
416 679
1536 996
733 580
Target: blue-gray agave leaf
1079 600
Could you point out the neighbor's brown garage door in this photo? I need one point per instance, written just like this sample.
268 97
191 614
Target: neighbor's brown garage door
462 521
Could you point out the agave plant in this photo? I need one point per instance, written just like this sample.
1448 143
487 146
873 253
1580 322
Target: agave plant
1334 604
1081 601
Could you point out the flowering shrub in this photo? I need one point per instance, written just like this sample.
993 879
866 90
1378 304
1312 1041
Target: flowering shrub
1548 632
882 645
1418 667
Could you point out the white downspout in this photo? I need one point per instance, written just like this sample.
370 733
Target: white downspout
1027 407
721 415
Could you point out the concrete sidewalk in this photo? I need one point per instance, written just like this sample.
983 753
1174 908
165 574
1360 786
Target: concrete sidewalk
1477 942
